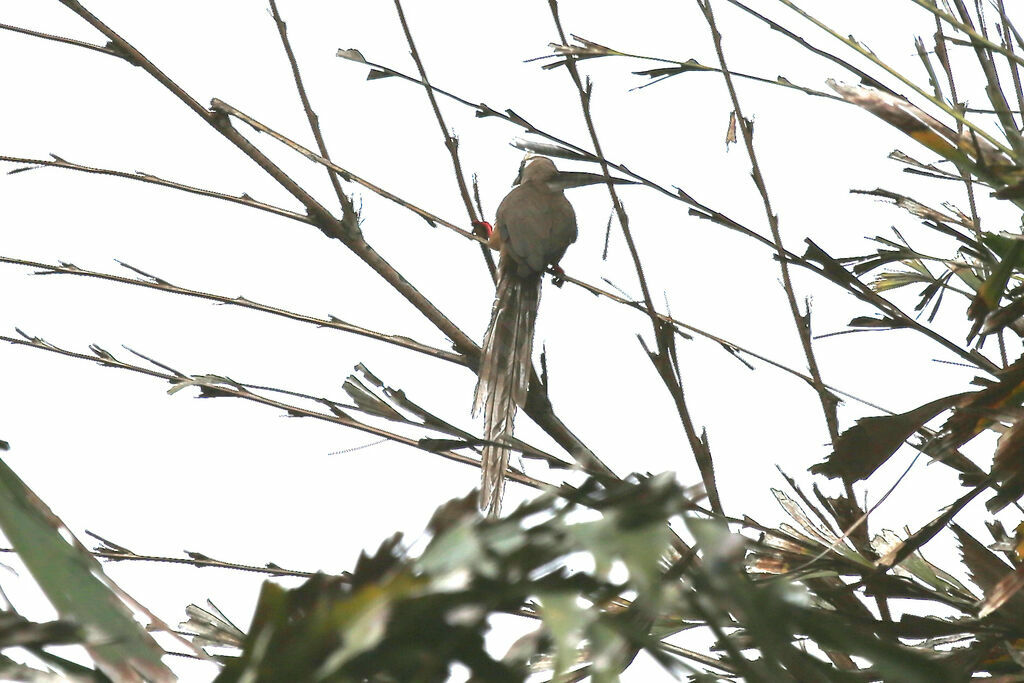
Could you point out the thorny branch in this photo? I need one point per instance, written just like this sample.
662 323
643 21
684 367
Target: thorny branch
153 282
451 143
218 386
781 552
703 211
698 209
314 120
61 39
246 200
114 552
347 231
139 176
802 321
664 360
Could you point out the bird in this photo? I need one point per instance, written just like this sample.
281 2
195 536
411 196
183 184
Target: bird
533 227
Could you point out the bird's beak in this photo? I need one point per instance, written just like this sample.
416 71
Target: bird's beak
569 179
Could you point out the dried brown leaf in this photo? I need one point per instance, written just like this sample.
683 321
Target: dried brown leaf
985 568
862 449
1002 592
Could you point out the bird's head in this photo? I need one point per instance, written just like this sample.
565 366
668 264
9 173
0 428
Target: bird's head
542 170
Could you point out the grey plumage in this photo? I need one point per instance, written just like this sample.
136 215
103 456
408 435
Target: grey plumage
534 226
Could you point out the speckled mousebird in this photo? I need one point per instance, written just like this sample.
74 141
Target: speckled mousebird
533 227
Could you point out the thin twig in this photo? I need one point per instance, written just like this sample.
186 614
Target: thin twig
852 43
194 559
665 360
61 39
969 30
697 657
802 322
483 110
347 231
347 175
968 180
104 358
451 143
862 75
698 209
138 176
314 120
993 88
162 285
835 272
1014 67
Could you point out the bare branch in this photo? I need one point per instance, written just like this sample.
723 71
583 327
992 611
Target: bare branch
450 141
993 88
665 360
852 43
587 49
111 551
698 209
483 110
215 386
61 39
347 231
314 120
431 219
154 282
829 401
243 199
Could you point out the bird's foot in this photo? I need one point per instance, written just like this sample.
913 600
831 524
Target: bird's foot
558 279
483 228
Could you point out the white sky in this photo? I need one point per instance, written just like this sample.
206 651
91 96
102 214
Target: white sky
113 453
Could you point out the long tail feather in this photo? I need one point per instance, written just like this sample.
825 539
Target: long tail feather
504 374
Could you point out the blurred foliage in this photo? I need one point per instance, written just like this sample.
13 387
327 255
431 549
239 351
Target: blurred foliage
599 573
410 618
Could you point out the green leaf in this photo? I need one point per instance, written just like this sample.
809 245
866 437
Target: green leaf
892 279
992 291
567 622
75 584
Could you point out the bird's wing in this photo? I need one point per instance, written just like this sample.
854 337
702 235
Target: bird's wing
536 226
